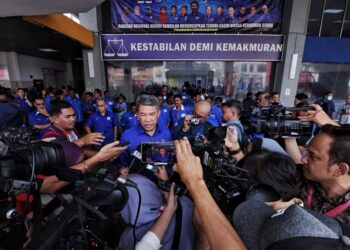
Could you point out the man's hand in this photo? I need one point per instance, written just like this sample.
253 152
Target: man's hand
186 126
90 139
124 171
317 116
110 151
171 204
231 139
188 165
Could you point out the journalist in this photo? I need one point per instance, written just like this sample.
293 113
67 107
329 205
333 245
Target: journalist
200 127
325 187
148 130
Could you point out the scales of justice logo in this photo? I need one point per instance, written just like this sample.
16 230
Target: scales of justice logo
110 52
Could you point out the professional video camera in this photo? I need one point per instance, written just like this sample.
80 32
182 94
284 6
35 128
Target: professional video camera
83 220
228 183
278 120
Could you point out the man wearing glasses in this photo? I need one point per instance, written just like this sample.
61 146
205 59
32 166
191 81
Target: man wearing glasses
40 117
190 127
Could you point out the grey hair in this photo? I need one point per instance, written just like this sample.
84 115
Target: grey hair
147 100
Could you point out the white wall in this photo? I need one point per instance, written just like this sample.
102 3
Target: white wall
33 66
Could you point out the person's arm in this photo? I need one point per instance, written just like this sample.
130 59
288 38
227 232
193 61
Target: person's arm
43 126
52 184
115 130
293 149
221 234
87 129
318 116
232 143
90 139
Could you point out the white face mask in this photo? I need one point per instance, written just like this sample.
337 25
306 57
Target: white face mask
329 98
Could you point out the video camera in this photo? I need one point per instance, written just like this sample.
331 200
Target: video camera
93 195
278 120
227 182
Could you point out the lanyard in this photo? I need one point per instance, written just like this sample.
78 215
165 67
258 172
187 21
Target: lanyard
331 213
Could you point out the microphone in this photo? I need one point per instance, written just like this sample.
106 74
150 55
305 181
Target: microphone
126 182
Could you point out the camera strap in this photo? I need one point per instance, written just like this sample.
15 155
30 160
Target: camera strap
178 226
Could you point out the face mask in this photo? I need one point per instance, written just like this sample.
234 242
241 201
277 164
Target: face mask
329 98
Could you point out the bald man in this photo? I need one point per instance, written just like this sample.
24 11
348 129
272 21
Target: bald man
184 128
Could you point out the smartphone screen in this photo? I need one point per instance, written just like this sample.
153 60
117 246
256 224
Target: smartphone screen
158 152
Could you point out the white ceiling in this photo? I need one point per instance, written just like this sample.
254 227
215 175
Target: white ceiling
42 7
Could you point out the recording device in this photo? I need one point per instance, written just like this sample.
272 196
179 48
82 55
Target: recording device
194 121
278 120
158 152
97 196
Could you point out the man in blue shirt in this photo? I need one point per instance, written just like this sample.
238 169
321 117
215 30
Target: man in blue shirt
195 16
215 112
164 118
103 122
231 18
173 18
231 112
39 118
129 119
78 109
109 101
184 128
209 17
327 103
88 105
148 131
23 101
183 17
220 17
179 111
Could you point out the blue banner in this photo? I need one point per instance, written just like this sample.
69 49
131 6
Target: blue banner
157 16
191 47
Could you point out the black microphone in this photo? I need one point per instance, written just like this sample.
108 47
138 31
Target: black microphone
126 182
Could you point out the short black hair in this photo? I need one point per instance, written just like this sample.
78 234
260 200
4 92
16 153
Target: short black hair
177 96
20 89
301 96
98 91
147 100
57 106
38 98
234 106
327 93
340 147
89 94
274 93
273 169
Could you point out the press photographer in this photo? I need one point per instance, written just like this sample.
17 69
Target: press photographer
195 125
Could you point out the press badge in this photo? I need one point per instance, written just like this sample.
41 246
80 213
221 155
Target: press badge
108 118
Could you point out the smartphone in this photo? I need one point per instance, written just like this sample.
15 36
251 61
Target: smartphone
124 144
158 152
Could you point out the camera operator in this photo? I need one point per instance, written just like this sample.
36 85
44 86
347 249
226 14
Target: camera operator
326 168
148 112
221 235
231 112
185 128
63 119
109 152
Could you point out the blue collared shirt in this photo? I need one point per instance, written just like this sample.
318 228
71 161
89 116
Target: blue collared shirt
89 107
164 118
110 104
37 118
24 105
177 115
78 108
48 102
129 121
136 136
103 124
217 113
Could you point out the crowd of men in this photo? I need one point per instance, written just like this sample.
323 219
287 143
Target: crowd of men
315 173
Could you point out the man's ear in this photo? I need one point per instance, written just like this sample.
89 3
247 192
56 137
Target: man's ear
341 169
52 119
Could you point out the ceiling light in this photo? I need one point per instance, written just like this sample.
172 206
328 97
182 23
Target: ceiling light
333 11
48 50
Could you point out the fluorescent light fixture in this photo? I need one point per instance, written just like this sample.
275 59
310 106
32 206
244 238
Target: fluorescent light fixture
213 69
72 17
48 50
293 66
333 11
91 65
166 70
